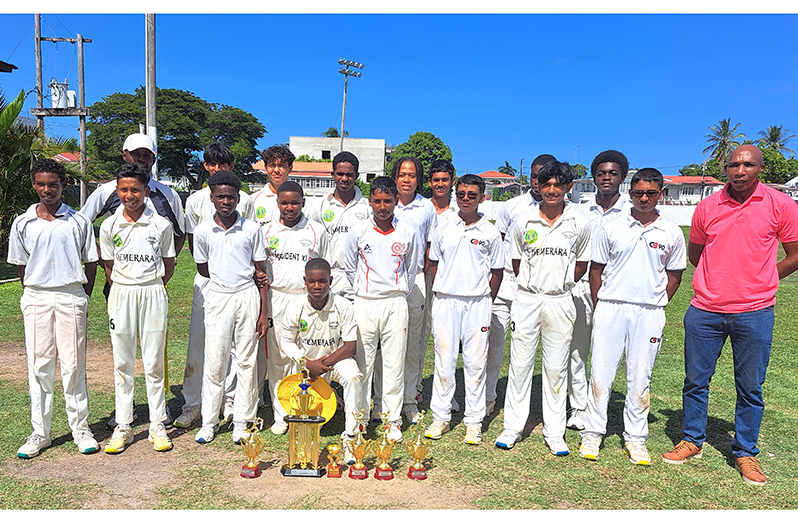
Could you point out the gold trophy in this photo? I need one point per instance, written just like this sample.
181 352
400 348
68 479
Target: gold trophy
418 448
304 426
333 469
359 447
383 450
253 445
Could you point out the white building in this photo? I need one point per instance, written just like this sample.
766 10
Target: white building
370 152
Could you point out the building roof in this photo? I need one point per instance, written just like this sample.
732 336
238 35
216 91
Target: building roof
321 169
67 157
691 180
496 174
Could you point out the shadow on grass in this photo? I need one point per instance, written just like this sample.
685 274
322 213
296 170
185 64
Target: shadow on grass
719 432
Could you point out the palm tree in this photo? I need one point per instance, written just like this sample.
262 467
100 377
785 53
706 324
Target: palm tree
776 139
507 169
723 140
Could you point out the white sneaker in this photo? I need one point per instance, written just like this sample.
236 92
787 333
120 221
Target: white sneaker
279 427
188 418
394 432
157 436
349 458
206 434
557 446
590 446
473 434
507 439
576 421
240 432
227 412
33 446
455 405
490 408
121 438
409 411
85 441
437 429
637 452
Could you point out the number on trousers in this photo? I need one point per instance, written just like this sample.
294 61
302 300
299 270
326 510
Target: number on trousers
111 323
512 326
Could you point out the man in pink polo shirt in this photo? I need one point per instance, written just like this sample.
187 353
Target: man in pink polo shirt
733 244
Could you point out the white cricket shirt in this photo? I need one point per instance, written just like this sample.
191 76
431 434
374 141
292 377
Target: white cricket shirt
465 255
229 253
264 202
337 219
318 333
200 208
137 249
380 264
52 251
513 210
636 258
549 253
597 216
421 215
289 249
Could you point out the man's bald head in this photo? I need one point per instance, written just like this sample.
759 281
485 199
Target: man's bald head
753 149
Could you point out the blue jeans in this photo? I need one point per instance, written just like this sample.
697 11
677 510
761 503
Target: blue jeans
751 335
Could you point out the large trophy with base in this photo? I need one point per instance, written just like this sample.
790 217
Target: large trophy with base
359 447
383 448
252 445
418 448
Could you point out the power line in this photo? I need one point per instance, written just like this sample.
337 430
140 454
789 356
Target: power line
20 43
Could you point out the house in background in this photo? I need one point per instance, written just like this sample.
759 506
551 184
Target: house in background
584 189
501 181
370 152
687 190
314 177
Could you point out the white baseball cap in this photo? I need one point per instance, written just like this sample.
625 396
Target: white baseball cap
139 141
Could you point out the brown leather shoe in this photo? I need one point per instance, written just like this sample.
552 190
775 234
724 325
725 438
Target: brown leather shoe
683 451
749 468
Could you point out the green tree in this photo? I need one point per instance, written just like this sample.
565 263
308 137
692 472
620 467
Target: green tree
503 197
581 170
777 169
426 147
723 140
775 139
507 169
713 169
186 124
364 187
308 158
332 132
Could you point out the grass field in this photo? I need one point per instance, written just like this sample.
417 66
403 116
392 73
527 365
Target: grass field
527 477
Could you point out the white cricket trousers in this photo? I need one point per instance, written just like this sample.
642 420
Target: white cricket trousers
138 310
633 330
230 315
383 321
195 353
497 338
580 346
425 334
55 323
272 357
416 346
550 319
347 373
460 319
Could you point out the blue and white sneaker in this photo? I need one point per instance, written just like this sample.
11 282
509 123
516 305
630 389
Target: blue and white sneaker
557 446
206 434
507 439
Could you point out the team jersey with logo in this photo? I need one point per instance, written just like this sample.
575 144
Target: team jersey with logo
229 253
636 258
52 251
318 333
548 253
264 203
513 210
199 208
289 249
137 249
421 215
337 219
380 264
465 255
163 200
597 216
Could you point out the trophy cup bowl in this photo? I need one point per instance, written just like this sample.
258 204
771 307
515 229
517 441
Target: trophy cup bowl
383 450
252 445
359 447
418 450
333 469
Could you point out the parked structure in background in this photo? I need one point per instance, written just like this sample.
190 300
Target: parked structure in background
370 152
501 181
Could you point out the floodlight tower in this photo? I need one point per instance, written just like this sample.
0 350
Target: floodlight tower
347 73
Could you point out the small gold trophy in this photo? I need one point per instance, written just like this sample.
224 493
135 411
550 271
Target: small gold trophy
418 448
383 450
304 436
333 469
253 445
359 447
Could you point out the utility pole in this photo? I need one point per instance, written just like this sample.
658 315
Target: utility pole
152 126
521 169
347 73
82 112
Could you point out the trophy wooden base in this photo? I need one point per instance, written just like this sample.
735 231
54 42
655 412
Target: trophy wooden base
418 474
249 472
333 471
383 474
358 473
301 473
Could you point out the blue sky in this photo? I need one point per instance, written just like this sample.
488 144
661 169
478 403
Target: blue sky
495 88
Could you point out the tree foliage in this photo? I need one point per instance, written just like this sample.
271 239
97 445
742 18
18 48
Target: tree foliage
777 169
186 124
581 170
713 169
427 148
722 140
332 132
308 158
775 139
507 169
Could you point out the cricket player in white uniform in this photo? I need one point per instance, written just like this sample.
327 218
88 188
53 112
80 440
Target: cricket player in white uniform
550 251
137 247
609 170
636 267
321 328
466 263
341 209
417 211
48 243
278 162
228 248
513 210
381 267
290 243
200 208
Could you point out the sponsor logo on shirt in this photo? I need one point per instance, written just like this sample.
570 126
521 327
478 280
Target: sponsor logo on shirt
655 245
260 212
480 243
305 243
328 216
361 216
484 329
117 240
152 240
274 241
398 249
654 339
531 237
303 326
333 324
367 249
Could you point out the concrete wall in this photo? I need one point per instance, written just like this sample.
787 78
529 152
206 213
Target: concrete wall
370 152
